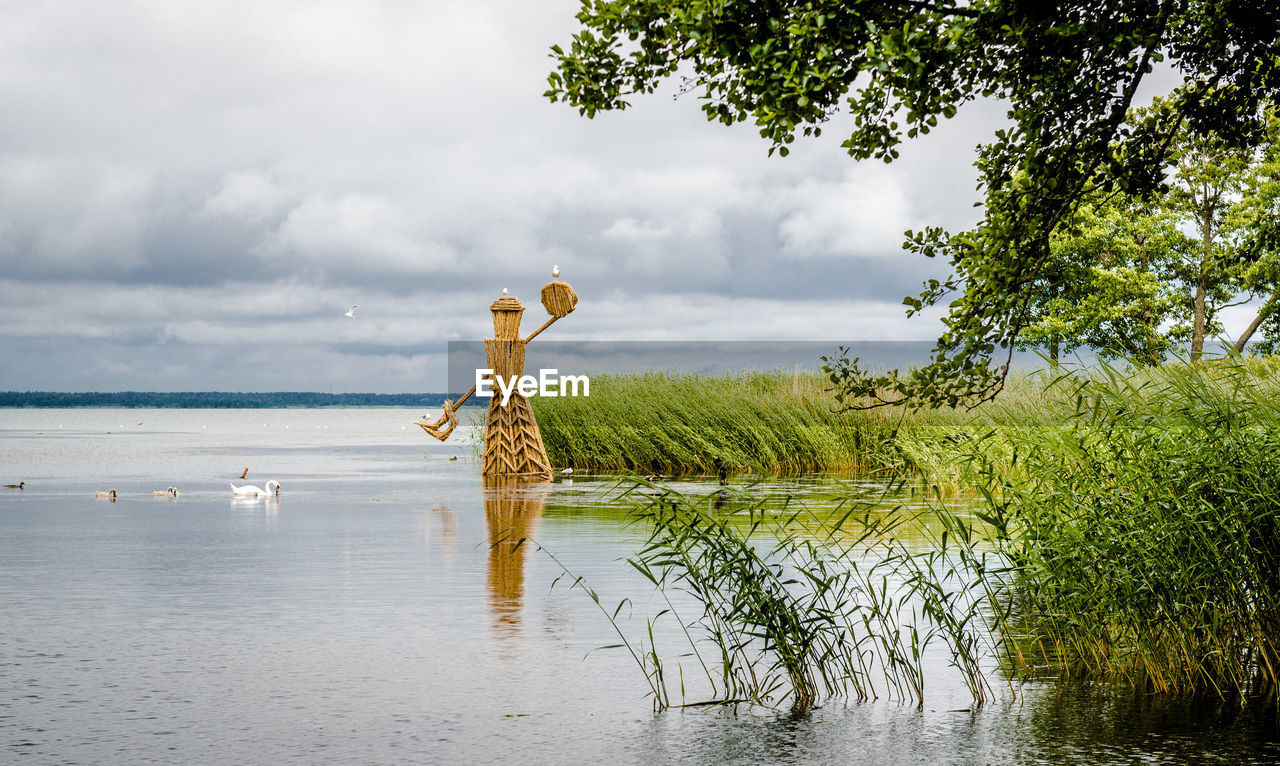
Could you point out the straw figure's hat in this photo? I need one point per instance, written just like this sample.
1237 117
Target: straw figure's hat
507 311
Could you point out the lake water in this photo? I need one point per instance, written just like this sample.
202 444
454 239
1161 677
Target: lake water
364 618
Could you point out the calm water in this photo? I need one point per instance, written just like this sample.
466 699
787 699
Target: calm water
362 618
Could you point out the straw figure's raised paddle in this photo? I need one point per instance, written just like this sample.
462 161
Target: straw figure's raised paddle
512 441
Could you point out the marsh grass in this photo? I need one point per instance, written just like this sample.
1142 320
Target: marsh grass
762 422
1127 529
1145 528
792 605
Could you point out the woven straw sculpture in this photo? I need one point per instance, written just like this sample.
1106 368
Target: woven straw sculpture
512 442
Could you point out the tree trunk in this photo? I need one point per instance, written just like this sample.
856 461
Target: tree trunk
1151 353
1197 327
1263 313
1198 323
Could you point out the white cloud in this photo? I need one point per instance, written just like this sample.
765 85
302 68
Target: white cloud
360 232
632 230
249 195
862 215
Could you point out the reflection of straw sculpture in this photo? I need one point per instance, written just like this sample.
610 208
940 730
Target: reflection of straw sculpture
512 509
512 442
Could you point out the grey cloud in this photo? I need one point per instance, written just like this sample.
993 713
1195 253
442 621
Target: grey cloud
190 195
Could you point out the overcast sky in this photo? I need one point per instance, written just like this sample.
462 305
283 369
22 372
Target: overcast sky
192 195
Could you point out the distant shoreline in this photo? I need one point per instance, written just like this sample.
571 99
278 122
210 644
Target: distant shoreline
212 400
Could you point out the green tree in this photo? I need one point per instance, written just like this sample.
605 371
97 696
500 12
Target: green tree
1140 283
1068 72
1207 182
1109 287
1258 217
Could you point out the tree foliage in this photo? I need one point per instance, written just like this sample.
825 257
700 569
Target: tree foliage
1258 216
1068 72
1134 276
1109 286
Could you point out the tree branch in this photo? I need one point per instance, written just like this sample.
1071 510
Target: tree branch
1263 313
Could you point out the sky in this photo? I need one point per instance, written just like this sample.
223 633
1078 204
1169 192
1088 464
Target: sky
193 194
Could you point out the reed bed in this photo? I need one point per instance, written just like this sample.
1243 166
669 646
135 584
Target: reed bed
793 604
1144 530
1128 529
768 422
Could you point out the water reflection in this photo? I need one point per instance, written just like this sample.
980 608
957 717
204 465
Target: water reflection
270 504
1098 723
512 508
257 511
443 517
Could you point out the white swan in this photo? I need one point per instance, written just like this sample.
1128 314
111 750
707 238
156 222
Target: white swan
170 492
108 495
251 491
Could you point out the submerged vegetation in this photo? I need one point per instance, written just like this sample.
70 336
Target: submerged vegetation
1120 526
787 602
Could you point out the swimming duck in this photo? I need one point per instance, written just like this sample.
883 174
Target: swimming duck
19 485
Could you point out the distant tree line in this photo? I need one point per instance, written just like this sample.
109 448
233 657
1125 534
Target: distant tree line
216 399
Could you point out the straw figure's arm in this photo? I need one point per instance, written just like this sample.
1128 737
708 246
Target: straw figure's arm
544 326
435 429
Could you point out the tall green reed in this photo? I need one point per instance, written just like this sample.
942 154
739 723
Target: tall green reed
797 605
1144 530
771 422
1129 530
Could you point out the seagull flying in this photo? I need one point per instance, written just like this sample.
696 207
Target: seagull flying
351 313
